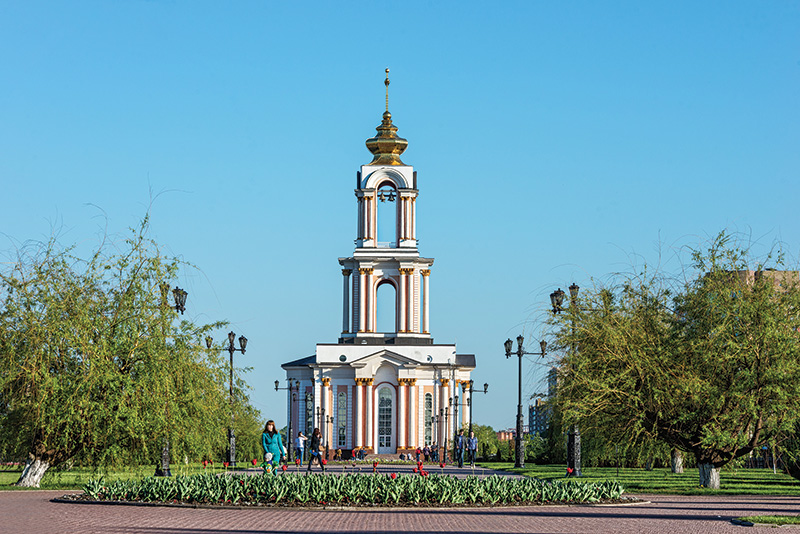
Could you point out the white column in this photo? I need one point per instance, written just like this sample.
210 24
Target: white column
367 218
410 306
362 275
360 223
359 418
426 273
401 299
414 218
412 427
368 414
370 291
401 419
324 390
443 434
346 300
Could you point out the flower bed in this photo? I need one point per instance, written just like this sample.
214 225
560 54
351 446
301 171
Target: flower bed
351 489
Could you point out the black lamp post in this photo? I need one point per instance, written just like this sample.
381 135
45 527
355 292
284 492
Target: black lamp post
292 395
231 349
179 295
469 399
519 457
574 435
328 435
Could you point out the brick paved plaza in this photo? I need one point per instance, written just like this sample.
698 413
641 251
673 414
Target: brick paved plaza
32 512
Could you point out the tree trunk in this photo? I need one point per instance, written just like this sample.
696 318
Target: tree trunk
676 461
709 476
32 473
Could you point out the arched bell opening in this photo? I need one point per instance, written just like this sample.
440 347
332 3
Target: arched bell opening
386 309
388 202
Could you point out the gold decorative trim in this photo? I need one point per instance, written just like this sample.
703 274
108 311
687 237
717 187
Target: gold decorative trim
444 381
412 381
368 381
326 381
361 270
369 270
425 272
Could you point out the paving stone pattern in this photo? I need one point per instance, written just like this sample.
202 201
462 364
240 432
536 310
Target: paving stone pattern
23 512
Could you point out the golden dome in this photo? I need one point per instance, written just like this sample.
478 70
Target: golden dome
386 146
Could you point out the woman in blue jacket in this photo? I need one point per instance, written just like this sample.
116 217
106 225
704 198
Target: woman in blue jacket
272 443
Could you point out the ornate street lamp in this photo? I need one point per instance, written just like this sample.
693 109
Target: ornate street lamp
291 394
179 295
574 435
469 399
231 349
519 457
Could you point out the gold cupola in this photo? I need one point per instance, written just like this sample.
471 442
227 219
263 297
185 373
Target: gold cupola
386 146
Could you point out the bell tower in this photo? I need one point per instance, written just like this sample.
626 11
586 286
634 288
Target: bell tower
386 183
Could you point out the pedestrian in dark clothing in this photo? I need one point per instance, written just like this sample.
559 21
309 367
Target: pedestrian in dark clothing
472 448
313 449
460 442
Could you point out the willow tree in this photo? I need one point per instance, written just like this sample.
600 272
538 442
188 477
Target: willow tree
709 366
96 366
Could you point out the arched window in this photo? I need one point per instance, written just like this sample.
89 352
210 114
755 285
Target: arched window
428 419
388 215
384 418
341 418
309 414
386 309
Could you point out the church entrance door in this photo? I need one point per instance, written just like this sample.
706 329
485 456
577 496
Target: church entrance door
385 445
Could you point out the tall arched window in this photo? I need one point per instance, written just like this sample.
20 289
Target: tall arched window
341 418
386 309
428 419
384 418
309 414
387 215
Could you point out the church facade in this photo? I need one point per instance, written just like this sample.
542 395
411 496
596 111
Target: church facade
387 389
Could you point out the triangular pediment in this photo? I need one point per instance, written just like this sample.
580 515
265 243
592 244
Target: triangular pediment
384 356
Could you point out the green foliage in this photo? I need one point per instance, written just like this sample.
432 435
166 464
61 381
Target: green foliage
94 366
661 480
289 489
710 366
487 440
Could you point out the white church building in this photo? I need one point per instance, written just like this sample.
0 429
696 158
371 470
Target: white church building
386 392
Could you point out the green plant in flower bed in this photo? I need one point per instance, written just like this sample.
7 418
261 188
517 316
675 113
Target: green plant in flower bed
292 489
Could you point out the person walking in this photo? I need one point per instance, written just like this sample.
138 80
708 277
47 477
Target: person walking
300 446
472 448
272 444
460 442
313 450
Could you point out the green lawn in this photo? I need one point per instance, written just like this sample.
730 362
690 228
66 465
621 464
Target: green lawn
732 481
75 478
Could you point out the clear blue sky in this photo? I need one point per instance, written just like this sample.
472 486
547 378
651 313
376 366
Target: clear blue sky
554 142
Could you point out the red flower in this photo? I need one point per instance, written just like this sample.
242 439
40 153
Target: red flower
205 463
375 463
424 473
324 461
283 467
226 464
569 470
415 470
255 462
297 461
419 464
441 465
394 476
